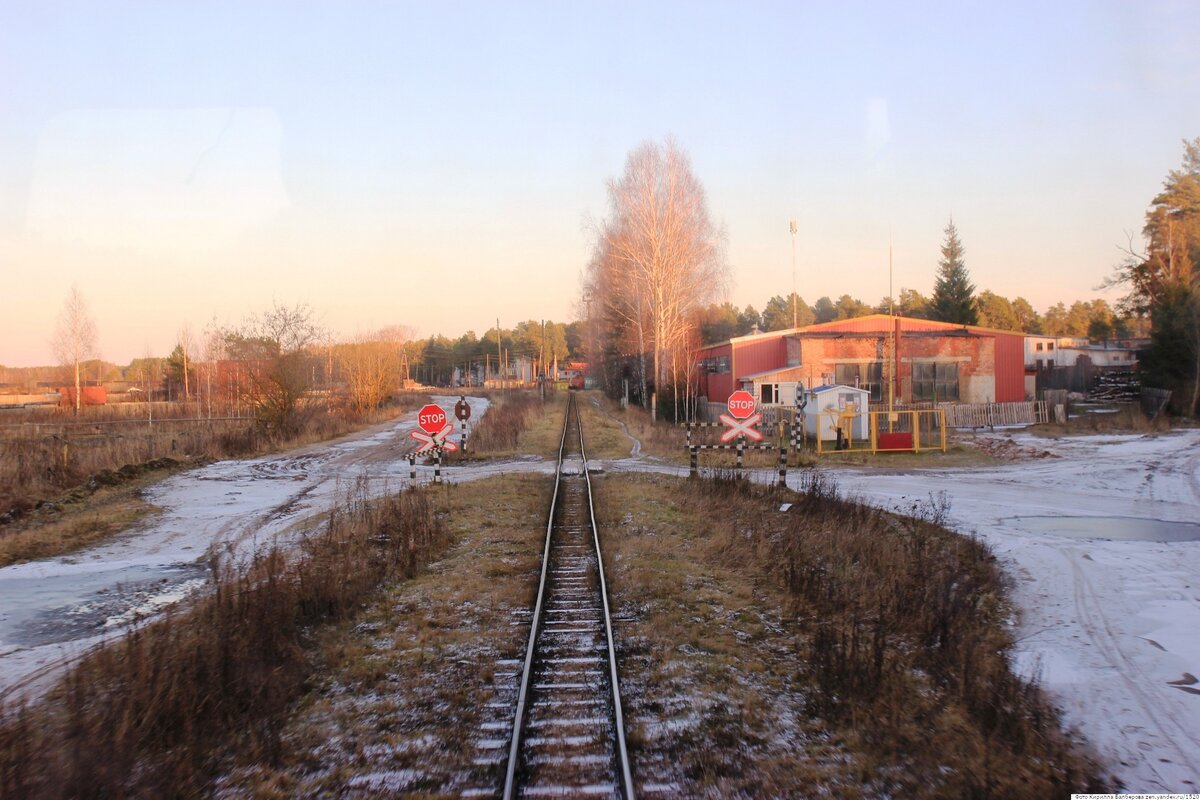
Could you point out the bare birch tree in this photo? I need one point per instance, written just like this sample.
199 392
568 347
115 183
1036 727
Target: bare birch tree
658 256
371 367
75 337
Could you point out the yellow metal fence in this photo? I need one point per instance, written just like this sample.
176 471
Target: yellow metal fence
912 431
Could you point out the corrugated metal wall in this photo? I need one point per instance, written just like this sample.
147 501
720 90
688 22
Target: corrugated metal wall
1010 367
759 355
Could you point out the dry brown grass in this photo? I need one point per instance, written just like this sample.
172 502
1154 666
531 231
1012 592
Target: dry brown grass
51 463
88 514
1115 418
873 644
43 452
146 716
402 702
518 422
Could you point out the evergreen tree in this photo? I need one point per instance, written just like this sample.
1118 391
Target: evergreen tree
953 294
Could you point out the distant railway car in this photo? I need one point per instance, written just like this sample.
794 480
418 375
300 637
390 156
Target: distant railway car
90 396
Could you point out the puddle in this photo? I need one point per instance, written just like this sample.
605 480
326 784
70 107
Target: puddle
1122 529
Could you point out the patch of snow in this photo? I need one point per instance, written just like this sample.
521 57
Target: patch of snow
1104 625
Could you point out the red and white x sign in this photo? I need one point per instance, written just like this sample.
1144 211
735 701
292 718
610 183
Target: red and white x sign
434 440
741 427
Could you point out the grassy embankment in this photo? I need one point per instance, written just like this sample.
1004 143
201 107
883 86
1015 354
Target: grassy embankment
150 715
67 482
831 648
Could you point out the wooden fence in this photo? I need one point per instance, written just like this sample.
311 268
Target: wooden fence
989 415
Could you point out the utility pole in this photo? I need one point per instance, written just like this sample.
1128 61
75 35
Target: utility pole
794 228
498 375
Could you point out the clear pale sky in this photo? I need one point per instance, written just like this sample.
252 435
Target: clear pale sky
436 165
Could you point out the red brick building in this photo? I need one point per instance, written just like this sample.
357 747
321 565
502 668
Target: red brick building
934 361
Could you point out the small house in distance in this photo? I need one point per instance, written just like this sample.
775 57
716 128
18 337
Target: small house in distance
933 361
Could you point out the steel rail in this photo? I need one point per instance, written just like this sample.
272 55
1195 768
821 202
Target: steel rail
622 753
514 753
514 749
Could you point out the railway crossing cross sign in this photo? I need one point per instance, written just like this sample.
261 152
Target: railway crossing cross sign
434 428
741 418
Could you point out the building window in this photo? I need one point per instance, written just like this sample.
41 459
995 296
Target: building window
936 382
1049 345
716 364
864 376
769 394
1040 347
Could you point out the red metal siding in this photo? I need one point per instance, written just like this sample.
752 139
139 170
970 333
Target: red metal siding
1010 367
716 386
759 355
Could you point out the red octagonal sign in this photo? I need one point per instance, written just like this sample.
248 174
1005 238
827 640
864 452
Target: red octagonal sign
740 404
431 418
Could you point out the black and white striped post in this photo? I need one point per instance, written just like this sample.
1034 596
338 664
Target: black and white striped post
694 451
741 448
412 468
437 465
783 466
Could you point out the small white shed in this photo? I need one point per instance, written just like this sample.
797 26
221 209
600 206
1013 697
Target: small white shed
827 408
781 386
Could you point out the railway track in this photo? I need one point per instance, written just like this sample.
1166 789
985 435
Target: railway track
568 736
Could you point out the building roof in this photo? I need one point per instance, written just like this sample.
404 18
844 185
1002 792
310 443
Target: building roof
831 386
912 323
871 323
769 372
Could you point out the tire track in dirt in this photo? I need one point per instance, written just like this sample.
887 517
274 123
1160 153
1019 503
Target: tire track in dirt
1096 625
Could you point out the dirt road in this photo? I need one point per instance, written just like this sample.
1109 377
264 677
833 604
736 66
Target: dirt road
52 610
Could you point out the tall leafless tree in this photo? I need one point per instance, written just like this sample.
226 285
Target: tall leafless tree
658 256
274 348
75 337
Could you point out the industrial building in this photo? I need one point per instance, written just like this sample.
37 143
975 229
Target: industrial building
930 361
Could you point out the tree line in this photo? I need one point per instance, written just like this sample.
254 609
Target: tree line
1163 281
282 366
1094 319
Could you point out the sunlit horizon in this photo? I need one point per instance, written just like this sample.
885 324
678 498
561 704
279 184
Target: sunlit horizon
440 169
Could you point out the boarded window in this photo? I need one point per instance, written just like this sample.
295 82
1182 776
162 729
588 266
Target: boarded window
936 382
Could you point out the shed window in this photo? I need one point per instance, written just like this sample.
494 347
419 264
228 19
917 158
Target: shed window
936 382
1040 347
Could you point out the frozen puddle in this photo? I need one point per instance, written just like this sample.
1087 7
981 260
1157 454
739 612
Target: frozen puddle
1121 529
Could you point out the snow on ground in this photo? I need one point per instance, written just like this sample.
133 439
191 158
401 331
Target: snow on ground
1107 625
1112 628
54 609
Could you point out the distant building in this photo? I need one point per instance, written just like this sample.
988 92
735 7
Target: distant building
933 361
1044 352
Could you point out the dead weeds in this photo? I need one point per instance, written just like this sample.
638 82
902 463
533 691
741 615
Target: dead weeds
832 649
416 694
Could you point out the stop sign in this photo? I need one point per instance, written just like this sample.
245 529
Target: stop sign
431 418
740 404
